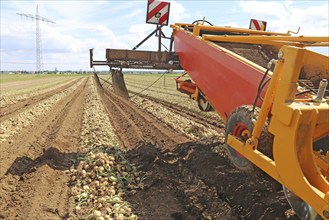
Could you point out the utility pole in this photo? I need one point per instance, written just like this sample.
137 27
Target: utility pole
37 18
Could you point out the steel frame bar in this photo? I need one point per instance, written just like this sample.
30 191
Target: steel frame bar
271 40
198 28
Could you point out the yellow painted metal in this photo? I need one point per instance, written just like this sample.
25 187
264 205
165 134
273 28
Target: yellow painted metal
198 28
256 157
271 40
320 131
245 133
322 162
266 106
294 158
295 125
179 25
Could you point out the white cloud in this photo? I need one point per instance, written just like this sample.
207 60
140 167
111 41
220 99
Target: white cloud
177 12
283 16
275 9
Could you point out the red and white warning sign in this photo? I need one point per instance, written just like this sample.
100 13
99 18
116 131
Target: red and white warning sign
157 12
257 25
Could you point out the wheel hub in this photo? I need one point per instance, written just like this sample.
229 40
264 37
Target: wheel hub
241 131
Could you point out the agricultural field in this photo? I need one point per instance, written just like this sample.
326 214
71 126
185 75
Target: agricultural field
71 149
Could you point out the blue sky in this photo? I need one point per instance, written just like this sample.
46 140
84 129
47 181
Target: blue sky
81 25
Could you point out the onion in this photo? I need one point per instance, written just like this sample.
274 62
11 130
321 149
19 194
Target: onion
83 173
112 192
97 213
77 208
99 184
83 195
120 217
102 199
101 169
111 158
107 217
113 179
109 210
133 217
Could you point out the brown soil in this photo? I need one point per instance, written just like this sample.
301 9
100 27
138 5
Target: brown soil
15 108
189 180
185 179
215 124
30 83
134 126
193 182
32 182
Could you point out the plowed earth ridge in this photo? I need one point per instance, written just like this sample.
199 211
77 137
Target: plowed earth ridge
140 127
22 119
12 108
192 128
11 95
34 186
208 122
188 113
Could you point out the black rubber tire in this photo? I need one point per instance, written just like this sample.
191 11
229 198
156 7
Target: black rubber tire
243 115
203 103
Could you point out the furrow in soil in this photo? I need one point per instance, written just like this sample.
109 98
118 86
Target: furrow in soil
10 110
34 185
134 126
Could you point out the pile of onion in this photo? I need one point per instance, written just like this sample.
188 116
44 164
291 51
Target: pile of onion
100 180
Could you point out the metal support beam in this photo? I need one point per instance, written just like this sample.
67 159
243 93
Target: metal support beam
146 38
159 37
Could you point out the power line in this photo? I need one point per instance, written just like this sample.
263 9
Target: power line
37 18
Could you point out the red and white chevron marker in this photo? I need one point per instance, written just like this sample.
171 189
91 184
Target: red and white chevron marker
157 12
257 25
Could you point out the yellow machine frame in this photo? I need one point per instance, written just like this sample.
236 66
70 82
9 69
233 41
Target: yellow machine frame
295 124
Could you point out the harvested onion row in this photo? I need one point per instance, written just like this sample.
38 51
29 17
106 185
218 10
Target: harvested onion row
96 126
103 176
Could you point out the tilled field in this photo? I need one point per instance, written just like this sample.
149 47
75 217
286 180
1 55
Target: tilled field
74 150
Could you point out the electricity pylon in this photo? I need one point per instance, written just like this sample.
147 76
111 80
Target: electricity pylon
37 18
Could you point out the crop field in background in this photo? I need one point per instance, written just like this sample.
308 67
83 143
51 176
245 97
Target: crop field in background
22 77
71 149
